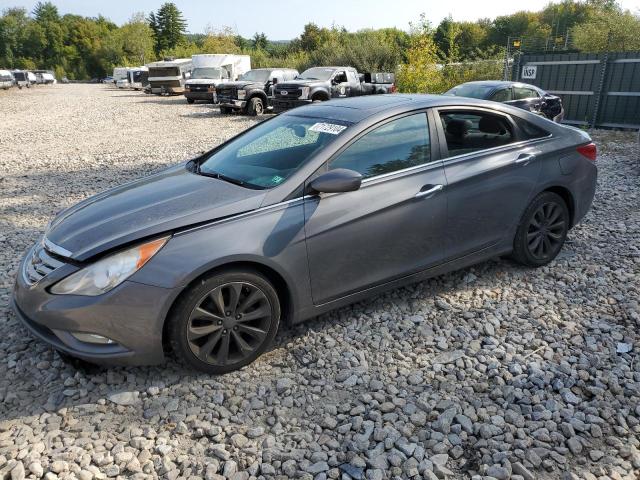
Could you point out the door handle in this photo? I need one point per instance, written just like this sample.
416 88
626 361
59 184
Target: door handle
429 191
525 158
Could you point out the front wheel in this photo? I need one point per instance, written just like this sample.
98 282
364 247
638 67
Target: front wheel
255 107
225 110
542 230
225 321
190 101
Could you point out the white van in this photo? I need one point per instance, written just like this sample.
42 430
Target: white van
6 79
21 78
209 70
119 73
168 77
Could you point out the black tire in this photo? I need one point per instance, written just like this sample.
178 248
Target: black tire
542 230
190 101
255 107
225 110
199 330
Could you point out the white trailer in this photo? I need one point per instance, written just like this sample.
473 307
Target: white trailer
209 70
169 77
119 73
6 79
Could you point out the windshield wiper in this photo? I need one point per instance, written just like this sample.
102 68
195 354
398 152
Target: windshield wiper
219 176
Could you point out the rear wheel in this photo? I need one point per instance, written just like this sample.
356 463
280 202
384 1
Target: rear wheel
542 230
225 322
255 107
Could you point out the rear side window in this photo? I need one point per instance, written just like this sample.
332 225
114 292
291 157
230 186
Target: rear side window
470 131
529 130
520 93
503 95
396 145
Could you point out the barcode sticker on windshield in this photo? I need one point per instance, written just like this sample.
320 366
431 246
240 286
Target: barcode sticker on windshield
331 128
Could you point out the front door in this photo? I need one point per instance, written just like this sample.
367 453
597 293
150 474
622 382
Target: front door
490 176
392 226
340 84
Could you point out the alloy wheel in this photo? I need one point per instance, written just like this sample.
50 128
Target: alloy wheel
546 231
229 323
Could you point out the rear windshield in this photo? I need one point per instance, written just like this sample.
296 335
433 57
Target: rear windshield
471 90
268 154
19 75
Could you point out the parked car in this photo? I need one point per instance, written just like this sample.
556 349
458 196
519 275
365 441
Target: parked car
253 92
521 95
107 80
211 70
119 73
305 212
318 84
6 79
21 78
44 77
168 77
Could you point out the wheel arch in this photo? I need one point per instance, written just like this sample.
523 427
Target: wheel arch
278 281
258 93
567 196
320 94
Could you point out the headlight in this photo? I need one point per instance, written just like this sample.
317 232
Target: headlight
241 94
305 93
109 272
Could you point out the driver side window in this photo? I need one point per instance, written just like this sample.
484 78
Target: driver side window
503 95
340 77
396 145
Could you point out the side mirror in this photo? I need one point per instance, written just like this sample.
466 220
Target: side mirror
336 181
274 80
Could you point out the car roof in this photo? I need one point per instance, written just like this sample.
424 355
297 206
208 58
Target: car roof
500 83
356 109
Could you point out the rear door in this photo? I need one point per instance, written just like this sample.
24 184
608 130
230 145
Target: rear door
393 225
491 174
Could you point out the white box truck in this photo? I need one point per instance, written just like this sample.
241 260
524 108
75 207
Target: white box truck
119 73
209 70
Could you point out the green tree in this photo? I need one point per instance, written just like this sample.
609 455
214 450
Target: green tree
137 40
220 41
260 41
421 72
168 26
46 12
614 31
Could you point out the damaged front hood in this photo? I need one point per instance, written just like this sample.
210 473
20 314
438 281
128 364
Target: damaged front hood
171 199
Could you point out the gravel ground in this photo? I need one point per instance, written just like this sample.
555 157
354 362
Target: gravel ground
495 371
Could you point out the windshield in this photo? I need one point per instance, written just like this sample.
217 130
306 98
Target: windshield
212 72
268 154
316 73
471 90
255 76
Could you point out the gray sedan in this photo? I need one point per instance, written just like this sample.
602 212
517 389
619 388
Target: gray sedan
305 212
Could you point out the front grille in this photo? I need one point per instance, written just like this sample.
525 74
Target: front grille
39 265
226 94
292 92
199 88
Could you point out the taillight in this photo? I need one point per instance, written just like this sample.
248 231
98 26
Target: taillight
589 151
393 89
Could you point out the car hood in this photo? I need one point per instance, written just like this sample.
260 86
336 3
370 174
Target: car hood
169 200
244 83
204 81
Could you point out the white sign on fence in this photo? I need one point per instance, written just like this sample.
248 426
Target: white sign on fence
529 72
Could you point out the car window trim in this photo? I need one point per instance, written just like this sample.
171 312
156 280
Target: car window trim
444 148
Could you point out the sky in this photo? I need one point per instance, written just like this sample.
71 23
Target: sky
284 19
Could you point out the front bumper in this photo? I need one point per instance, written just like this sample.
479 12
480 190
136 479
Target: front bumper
208 96
234 104
132 315
167 90
280 105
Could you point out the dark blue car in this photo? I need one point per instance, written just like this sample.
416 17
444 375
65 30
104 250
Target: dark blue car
521 95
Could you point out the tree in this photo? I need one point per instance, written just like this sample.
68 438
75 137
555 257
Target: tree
46 12
260 41
168 26
220 41
137 40
615 31
421 72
